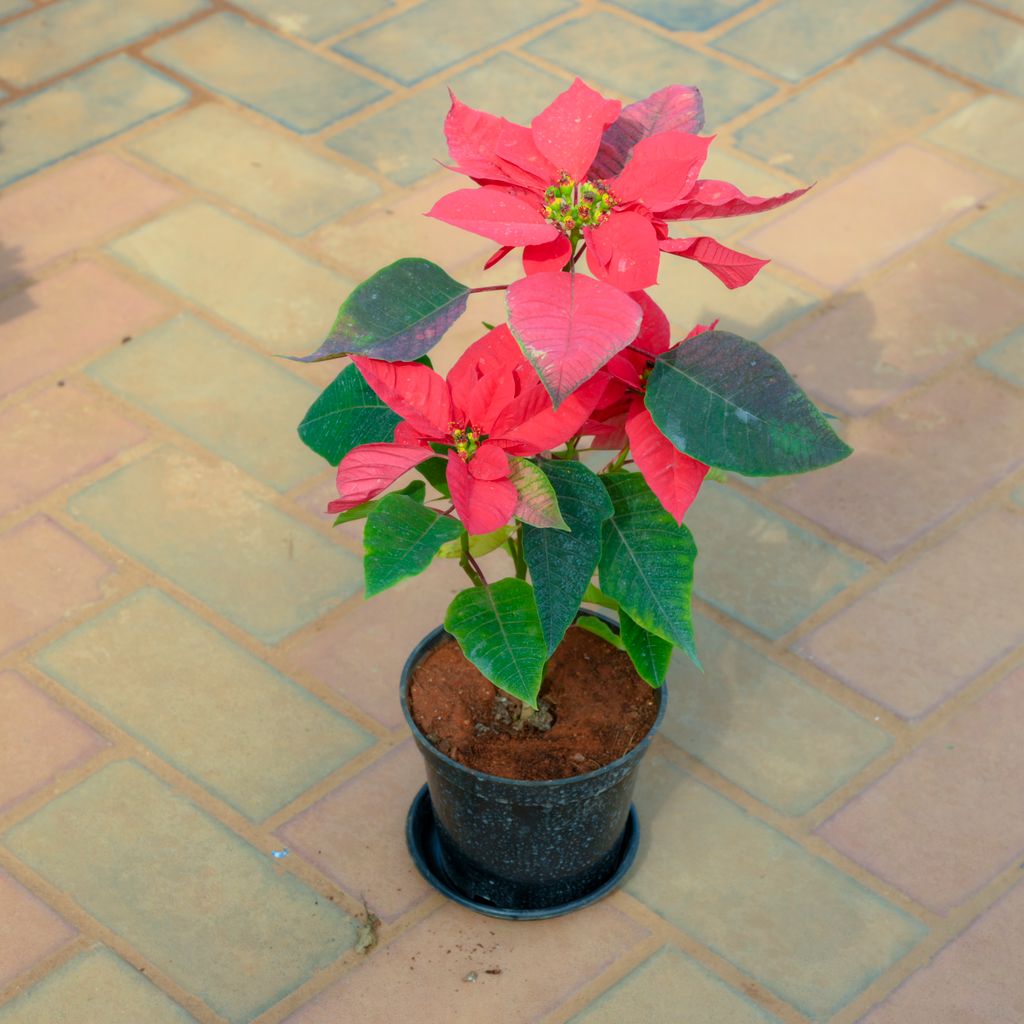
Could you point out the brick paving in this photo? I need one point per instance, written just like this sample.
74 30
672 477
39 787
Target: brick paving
190 679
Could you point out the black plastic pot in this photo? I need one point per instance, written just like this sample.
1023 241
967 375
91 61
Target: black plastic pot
521 849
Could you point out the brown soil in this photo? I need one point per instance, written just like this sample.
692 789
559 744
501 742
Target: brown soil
597 709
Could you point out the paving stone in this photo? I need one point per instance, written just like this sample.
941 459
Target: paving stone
314 20
937 824
690 295
284 300
990 131
13 6
400 227
356 834
47 573
1006 358
38 741
48 42
203 905
641 62
86 306
793 39
94 988
660 986
914 463
80 111
241 406
72 206
974 980
763 727
31 931
687 15
973 41
865 107
305 93
406 141
995 238
869 345
456 29
205 526
235 725
879 211
438 953
261 171
802 928
57 435
760 568
389 627
934 625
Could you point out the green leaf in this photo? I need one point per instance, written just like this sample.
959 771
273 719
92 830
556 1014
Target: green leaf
600 628
434 471
397 314
401 538
416 489
498 630
347 414
649 653
480 544
726 401
562 564
538 503
594 596
647 561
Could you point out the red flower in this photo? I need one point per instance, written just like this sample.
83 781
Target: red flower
623 418
546 186
492 405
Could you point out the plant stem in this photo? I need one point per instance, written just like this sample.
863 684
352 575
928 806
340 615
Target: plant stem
489 288
515 549
470 565
618 461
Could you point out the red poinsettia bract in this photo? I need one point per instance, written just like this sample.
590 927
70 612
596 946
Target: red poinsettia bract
491 406
622 417
546 186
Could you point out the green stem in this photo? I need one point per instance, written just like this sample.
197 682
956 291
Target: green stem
618 462
515 549
469 564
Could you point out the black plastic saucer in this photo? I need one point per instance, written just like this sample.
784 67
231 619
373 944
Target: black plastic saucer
425 849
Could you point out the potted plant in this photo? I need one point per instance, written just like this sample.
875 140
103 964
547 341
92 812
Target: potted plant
517 820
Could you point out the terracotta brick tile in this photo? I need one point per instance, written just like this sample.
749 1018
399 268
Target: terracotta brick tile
66 318
56 436
38 739
930 628
47 573
943 821
31 930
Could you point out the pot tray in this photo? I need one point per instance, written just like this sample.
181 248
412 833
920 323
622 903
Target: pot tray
424 846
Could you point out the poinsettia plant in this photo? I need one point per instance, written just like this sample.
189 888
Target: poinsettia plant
502 447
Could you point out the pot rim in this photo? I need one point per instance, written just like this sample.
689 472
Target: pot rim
436 635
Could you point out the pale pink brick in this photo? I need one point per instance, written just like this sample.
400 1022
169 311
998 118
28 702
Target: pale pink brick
949 816
356 834
47 575
67 318
38 740
30 930
976 979
56 436
76 204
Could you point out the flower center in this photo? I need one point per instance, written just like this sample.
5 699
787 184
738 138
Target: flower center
571 205
465 439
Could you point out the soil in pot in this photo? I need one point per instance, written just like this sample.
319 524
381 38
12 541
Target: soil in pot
593 708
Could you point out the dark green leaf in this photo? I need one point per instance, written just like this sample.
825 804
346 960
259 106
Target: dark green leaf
647 561
561 564
434 471
401 538
397 314
416 489
498 630
727 402
347 414
649 653
600 628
